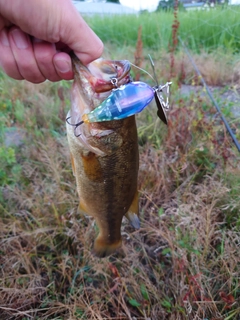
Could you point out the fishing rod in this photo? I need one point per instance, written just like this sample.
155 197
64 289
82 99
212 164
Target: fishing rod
211 96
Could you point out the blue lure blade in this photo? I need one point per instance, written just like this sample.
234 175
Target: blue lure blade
123 102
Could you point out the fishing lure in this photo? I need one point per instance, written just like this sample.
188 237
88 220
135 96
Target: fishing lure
128 100
162 105
123 102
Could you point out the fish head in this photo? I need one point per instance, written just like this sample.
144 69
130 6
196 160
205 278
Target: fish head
95 81
93 84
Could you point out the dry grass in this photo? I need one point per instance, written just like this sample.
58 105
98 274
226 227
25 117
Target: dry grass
184 261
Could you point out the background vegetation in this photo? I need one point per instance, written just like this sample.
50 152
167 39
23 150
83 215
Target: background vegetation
184 261
204 29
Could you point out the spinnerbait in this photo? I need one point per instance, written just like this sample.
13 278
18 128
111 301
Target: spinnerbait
128 100
158 94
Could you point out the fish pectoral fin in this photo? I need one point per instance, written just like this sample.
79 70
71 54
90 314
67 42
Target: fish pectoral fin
133 212
100 133
133 219
107 143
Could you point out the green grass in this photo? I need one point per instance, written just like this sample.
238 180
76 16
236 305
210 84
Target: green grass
208 30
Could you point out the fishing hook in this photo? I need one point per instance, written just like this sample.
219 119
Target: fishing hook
76 125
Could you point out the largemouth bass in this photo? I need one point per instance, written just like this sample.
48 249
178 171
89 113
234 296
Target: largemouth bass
104 155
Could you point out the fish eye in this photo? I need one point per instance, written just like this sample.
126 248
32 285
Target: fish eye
107 69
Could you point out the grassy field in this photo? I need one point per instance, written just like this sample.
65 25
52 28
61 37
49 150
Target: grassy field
184 261
208 30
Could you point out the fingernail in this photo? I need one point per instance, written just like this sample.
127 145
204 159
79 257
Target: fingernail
62 66
20 39
4 38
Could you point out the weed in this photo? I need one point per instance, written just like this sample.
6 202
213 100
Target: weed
214 29
10 170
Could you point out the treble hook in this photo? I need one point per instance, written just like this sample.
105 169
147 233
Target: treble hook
76 125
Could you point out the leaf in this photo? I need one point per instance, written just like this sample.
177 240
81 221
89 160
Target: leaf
144 292
166 251
166 303
114 270
160 212
134 303
227 298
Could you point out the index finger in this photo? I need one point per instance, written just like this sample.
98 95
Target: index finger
80 37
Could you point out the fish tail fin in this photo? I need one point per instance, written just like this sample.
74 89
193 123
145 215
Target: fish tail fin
103 248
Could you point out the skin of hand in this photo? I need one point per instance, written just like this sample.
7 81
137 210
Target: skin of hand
36 36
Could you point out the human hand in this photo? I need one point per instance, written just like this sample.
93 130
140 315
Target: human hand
36 36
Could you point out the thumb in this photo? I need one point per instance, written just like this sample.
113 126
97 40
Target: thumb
78 36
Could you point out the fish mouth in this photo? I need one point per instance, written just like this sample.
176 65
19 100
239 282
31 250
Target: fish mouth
103 72
96 80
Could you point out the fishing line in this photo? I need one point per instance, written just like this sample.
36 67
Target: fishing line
153 68
162 105
142 70
211 96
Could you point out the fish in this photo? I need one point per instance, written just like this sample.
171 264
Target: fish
104 155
